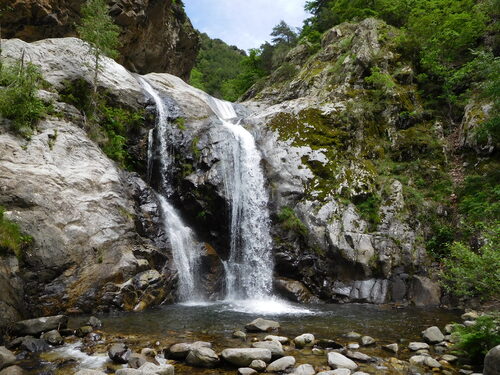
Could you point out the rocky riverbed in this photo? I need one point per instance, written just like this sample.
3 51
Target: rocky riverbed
217 339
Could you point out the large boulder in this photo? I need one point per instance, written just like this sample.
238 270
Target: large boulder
492 362
7 358
433 335
36 326
243 357
274 346
262 325
202 357
281 365
12 370
119 353
155 35
424 292
337 360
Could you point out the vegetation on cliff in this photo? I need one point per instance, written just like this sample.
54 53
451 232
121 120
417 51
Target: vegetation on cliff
12 240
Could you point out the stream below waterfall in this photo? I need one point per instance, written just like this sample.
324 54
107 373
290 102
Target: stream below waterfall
215 322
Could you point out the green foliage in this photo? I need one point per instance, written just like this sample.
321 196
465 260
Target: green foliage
11 238
476 340
290 222
107 124
369 208
19 84
472 273
438 245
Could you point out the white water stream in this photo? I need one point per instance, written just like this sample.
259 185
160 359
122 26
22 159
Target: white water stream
186 251
249 268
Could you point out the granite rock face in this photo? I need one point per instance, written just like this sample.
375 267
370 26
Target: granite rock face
156 35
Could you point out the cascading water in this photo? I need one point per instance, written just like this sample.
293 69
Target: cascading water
185 249
249 268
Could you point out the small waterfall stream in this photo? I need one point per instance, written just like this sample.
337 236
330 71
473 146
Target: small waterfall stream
185 249
249 268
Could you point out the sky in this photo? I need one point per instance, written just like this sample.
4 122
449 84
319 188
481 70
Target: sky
243 23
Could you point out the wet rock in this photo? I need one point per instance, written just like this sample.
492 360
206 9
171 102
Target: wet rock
449 358
37 326
262 325
358 356
281 364
12 370
240 335
393 348
65 332
136 360
119 353
94 322
352 336
202 357
432 363
317 351
433 335
492 361
90 372
360 373
84 331
7 358
328 344
414 346
367 340
149 353
306 339
242 357
294 290
53 337
337 360
340 371
34 345
470 315
353 346
258 365
449 328
274 346
304 370
418 360
280 339
178 351
424 292
246 371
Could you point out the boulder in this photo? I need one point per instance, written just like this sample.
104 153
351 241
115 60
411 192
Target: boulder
306 339
36 326
242 357
94 322
7 358
393 348
294 290
337 360
258 365
367 340
433 335
352 336
339 371
414 346
239 335
90 372
262 325
424 292
53 337
281 364
202 357
492 362
305 369
84 331
246 371
432 363
280 339
274 346
136 360
12 370
119 353
418 360
34 345
181 350
358 356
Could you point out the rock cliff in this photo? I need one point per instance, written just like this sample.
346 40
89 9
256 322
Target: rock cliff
344 141
156 35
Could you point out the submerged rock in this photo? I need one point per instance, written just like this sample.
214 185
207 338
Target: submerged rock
414 346
36 326
262 325
337 360
246 371
367 340
242 357
281 364
306 339
119 353
53 337
34 345
393 348
202 357
94 322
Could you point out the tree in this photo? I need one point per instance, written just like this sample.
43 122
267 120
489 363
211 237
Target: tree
283 34
100 32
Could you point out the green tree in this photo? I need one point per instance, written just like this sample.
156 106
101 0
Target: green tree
100 32
283 33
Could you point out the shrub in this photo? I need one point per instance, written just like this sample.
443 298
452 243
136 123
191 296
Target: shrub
11 239
289 221
471 273
475 341
18 100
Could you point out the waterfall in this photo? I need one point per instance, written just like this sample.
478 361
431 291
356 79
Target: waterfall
185 249
249 268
